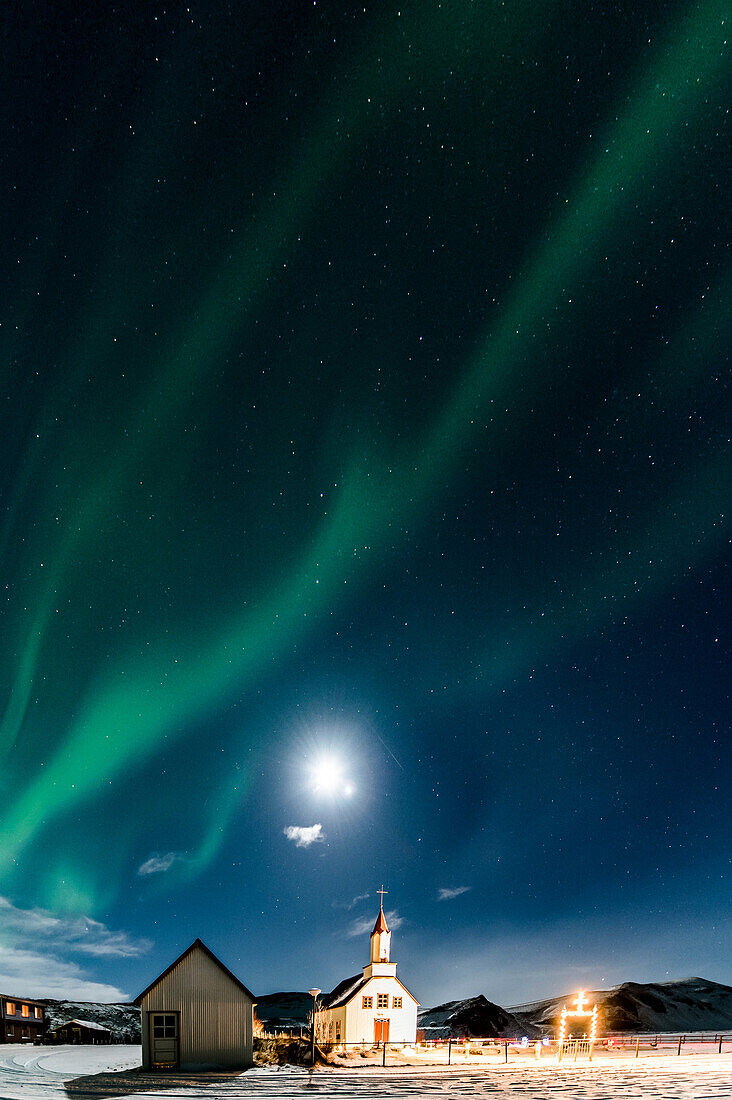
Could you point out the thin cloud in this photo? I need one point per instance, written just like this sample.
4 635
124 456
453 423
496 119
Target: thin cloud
304 835
77 934
348 905
159 862
34 975
447 893
43 969
363 925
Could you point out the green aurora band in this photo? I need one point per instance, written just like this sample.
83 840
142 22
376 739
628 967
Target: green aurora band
141 699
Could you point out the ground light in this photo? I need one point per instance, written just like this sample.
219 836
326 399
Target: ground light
581 1010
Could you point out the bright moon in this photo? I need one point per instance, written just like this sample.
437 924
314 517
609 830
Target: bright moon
328 777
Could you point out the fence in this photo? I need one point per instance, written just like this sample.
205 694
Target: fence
462 1051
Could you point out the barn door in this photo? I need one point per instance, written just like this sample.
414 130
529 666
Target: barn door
164 1040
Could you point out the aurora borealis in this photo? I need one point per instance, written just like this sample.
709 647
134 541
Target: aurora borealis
364 391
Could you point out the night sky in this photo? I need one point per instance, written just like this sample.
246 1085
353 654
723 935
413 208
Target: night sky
362 484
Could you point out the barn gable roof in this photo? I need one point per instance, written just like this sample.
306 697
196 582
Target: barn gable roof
197 943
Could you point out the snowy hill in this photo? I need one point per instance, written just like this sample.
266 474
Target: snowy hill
692 1004
123 1020
284 1011
476 1016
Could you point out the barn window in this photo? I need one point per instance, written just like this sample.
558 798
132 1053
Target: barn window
38 1012
396 1002
164 1027
382 1000
25 1011
10 1008
367 1002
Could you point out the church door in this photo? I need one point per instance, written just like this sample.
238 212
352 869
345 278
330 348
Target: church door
381 1031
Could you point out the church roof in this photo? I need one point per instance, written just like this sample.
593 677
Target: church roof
346 990
381 925
343 991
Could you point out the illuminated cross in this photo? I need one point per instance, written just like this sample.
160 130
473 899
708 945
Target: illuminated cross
580 1002
382 891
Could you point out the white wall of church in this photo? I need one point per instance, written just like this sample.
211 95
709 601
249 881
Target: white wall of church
402 1021
335 1025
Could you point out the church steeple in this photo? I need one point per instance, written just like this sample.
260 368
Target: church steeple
380 939
381 942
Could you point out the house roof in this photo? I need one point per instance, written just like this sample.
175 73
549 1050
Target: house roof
346 990
381 925
17 999
83 1023
200 944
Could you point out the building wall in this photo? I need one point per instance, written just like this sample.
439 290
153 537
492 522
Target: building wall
335 1016
358 1026
215 1014
16 1028
402 1021
20 1031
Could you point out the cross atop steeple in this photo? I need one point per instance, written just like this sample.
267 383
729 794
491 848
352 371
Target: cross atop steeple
381 936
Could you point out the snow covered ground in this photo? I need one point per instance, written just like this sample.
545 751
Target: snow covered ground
106 1073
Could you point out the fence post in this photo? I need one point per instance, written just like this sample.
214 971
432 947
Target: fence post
720 1045
506 1049
449 1051
637 1045
678 1050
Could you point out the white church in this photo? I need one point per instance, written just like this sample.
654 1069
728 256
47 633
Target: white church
372 1007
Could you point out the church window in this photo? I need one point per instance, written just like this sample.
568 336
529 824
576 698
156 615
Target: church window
382 1000
396 1002
367 1002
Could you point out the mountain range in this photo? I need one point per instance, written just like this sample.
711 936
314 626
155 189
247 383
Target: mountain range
691 1004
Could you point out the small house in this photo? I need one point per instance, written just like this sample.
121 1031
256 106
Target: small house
80 1031
21 1020
196 1014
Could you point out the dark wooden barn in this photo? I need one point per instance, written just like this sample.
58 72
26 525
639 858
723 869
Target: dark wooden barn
80 1031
